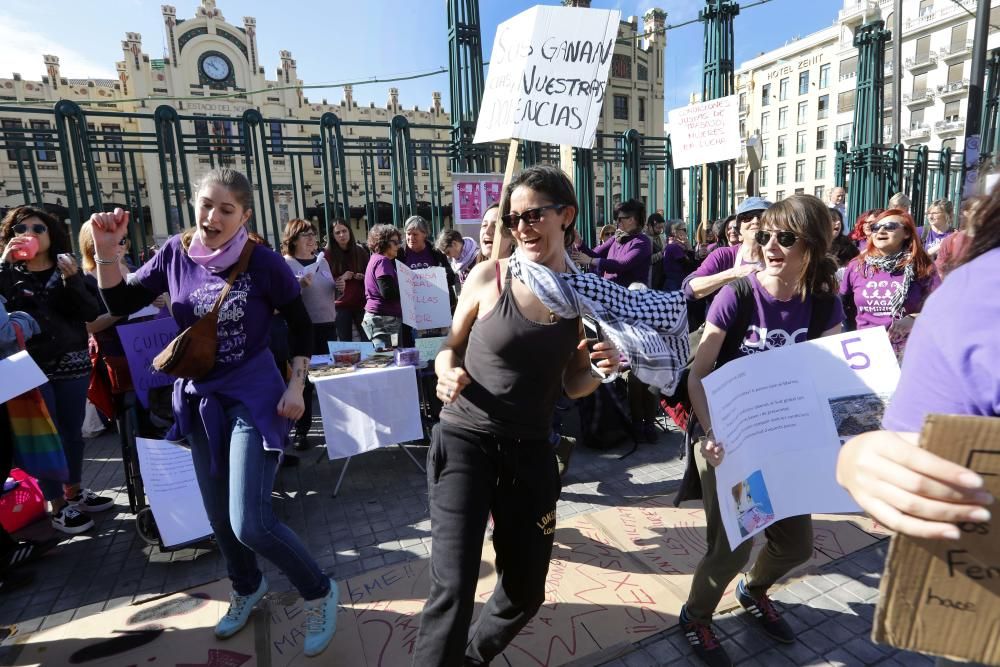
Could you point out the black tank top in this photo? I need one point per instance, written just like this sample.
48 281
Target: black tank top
516 366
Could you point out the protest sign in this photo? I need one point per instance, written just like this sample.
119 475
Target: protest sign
20 373
548 76
142 341
782 428
473 194
169 480
705 132
941 596
429 348
423 293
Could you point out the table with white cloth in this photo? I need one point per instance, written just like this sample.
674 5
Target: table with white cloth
368 409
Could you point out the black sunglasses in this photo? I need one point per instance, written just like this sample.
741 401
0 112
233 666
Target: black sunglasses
531 216
786 239
21 228
748 216
887 226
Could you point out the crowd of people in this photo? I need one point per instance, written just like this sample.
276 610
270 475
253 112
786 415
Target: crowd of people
768 276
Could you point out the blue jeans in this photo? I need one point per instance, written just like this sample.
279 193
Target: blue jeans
66 401
238 504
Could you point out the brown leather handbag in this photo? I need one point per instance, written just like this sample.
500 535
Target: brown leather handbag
191 355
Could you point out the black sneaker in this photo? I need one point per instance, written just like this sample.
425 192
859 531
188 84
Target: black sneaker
88 501
72 521
766 615
21 552
704 643
300 441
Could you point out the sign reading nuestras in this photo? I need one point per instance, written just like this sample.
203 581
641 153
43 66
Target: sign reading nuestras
942 596
423 294
706 132
142 342
548 76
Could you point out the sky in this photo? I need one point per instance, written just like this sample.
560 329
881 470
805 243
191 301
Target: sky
337 41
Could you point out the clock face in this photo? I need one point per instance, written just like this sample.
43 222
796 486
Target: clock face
215 67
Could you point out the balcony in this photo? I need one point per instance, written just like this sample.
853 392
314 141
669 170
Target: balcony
921 63
952 127
926 17
955 52
919 99
916 132
744 110
954 90
857 13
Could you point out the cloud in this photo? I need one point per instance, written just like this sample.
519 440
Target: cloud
21 50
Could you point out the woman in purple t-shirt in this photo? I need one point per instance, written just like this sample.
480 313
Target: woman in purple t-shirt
798 277
938 227
237 417
383 310
888 283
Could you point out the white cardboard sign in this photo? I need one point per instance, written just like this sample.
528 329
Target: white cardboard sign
706 132
20 373
548 76
782 416
423 294
174 496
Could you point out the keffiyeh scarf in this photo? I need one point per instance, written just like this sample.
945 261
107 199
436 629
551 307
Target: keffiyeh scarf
648 327
889 264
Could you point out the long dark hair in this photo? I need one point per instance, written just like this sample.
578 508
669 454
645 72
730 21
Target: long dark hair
58 235
984 223
808 218
353 259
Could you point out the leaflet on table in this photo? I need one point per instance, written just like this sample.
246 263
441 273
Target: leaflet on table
782 416
20 373
366 349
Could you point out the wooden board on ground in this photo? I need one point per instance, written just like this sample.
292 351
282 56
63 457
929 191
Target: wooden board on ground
615 577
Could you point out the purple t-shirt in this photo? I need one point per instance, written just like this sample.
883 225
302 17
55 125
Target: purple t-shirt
774 323
873 290
934 237
245 316
624 263
951 365
719 260
673 266
419 260
378 266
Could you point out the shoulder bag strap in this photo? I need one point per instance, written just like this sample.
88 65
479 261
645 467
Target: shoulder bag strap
240 267
822 308
738 329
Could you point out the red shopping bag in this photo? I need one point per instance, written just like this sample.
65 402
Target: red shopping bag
23 505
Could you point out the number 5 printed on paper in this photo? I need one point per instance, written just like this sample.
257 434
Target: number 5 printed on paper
864 360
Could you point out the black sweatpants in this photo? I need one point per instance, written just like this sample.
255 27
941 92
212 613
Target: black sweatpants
470 475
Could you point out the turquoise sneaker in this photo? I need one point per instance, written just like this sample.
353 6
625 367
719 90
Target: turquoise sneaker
321 621
240 607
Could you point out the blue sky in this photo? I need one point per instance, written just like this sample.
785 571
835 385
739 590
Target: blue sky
343 40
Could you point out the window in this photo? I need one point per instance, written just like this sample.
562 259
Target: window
642 109
848 67
823 107
621 107
923 53
824 76
926 7
783 90
948 143
642 71
201 135
741 177
765 95
804 83
916 118
800 191
803 113
800 171
779 195
955 72
844 132
959 34
818 192
317 151
800 142
621 66
765 120
919 85
762 177
13 136
820 171
951 110
764 149
845 101
743 127
112 142
277 145
781 174
743 102
782 118
45 149
820 138
781 146
94 155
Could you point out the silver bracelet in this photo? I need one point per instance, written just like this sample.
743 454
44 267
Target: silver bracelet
106 262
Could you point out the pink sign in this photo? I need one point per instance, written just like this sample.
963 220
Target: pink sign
470 201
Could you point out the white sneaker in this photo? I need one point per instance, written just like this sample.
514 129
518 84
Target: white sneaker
71 521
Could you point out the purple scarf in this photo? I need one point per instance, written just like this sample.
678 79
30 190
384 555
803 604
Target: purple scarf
219 260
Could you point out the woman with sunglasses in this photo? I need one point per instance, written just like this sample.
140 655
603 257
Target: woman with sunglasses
39 276
383 310
508 357
724 265
793 298
625 258
888 283
299 243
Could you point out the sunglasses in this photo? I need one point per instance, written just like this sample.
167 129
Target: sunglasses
21 228
744 218
786 239
887 226
531 216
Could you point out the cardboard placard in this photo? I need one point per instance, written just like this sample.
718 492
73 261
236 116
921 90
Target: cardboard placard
706 132
548 76
429 347
169 479
20 373
473 194
941 596
423 294
142 341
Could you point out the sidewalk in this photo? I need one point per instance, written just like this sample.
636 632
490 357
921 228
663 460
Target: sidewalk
380 518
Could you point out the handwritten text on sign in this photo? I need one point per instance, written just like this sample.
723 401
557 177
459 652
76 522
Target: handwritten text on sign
423 295
142 342
706 132
548 76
